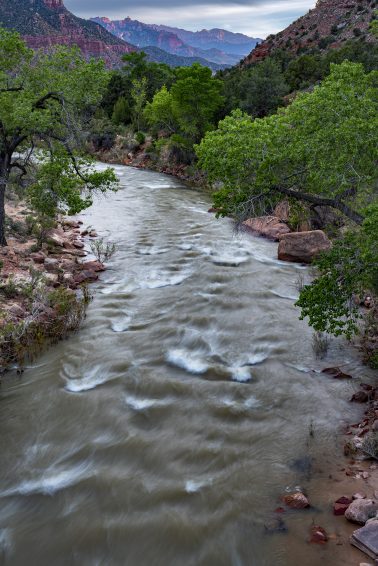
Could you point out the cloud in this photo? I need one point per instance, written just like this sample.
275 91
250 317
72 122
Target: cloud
258 18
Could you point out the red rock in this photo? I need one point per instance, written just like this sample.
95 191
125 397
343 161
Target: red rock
95 266
270 227
38 257
296 501
360 397
85 277
302 247
77 244
336 373
341 505
318 535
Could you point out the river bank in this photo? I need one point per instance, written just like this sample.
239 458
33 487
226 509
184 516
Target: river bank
43 284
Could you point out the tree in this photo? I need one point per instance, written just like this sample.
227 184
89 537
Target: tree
322 150
159 112
44 99
138 95
196 98
347 271
258 90
121 112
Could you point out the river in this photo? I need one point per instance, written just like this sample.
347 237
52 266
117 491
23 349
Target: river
166 430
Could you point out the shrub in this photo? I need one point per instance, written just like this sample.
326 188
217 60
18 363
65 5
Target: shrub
102 250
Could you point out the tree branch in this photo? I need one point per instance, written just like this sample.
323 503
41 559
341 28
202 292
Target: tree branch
322 201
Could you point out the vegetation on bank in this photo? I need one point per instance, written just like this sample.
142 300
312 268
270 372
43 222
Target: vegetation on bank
46 103
301 127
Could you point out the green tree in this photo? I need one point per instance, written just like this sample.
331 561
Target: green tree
159 113
138 95
347 271
43 101
262 89
322 150
196 99
121 112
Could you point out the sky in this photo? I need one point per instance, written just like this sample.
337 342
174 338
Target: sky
256 18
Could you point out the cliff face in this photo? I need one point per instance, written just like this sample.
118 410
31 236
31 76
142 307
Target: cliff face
327 26
44 23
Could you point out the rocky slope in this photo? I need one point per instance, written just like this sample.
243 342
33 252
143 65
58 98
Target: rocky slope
44 23
217 46
327 26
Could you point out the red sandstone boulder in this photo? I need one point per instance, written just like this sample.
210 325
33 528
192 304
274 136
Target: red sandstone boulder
318 535
85 276
296 501
341 505
270 227
93 266
302 247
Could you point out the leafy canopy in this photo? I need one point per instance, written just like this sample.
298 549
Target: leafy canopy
46 100
321 149
348 270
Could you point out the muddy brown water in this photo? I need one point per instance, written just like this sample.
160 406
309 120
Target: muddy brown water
165 431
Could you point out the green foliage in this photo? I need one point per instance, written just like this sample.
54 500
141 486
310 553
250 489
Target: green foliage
45 102
196 98
258 90
121 112
347 271
138 95
159 113
323 147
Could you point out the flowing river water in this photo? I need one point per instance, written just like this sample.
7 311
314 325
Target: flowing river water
165 432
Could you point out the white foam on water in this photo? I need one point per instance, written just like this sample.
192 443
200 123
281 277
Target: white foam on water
193 486
187 360
229 260
50 482
257 358
98 376
185 247
157 280
141 404
283 296
241 374
151 250
122 324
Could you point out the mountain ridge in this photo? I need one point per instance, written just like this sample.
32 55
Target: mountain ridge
327 26
45 23
207 44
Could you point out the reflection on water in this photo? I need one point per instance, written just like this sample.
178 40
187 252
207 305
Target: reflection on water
165 431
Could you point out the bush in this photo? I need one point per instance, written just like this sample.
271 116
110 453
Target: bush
102 250
140 138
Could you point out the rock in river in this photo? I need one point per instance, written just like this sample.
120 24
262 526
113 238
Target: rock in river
302 246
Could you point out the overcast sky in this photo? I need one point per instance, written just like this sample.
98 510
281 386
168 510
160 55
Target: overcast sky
257 18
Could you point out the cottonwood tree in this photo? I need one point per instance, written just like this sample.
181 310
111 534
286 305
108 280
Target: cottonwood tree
44 101
321 150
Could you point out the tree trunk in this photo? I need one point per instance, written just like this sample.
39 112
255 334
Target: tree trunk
3 241
4 174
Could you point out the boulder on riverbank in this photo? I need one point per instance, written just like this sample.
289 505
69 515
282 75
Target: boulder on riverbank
302 247
270 227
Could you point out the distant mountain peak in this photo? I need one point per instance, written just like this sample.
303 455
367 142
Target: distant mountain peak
218 46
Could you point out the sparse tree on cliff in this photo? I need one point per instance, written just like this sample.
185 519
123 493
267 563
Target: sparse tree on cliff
44 100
